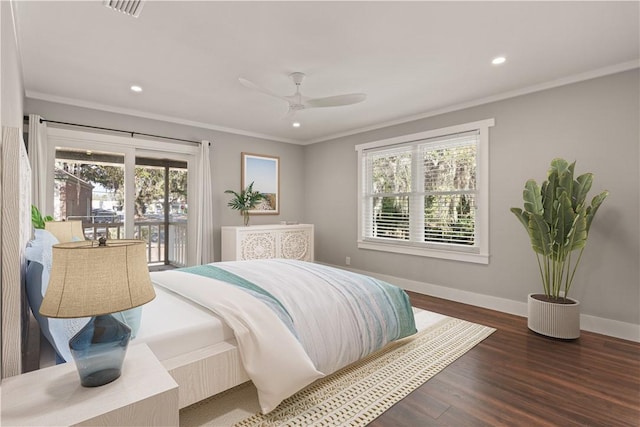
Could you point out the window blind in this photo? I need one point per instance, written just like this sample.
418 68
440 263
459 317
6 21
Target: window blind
422 193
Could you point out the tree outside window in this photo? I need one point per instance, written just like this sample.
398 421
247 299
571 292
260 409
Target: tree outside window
421 194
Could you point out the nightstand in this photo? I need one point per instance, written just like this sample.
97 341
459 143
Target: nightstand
144 395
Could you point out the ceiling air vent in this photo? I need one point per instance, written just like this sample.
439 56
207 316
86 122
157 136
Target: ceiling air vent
128 7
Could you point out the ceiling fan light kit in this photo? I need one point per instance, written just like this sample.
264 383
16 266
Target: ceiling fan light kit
298 102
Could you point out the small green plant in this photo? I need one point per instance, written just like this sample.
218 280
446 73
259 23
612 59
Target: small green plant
244 201
37 219
558 220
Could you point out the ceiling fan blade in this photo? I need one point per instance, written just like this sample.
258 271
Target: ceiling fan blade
335 101
290 113
250 85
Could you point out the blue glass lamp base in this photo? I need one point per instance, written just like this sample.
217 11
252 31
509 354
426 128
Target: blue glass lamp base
99 349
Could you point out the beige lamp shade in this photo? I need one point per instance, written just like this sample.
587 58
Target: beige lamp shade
65 231
91 280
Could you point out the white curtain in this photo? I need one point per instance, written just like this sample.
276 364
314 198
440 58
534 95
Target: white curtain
204 234
38 161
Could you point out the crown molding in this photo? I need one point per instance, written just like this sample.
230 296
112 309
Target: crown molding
137 113
613 69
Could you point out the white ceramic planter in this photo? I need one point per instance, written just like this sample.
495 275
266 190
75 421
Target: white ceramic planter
554 320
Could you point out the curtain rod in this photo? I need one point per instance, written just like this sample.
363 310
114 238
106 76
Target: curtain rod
132 133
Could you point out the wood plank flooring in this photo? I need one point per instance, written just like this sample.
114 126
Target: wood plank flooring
519 378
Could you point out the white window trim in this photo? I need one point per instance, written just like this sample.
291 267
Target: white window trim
482 181
130 147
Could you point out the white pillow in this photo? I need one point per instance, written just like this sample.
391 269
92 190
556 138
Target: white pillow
40 250
60 330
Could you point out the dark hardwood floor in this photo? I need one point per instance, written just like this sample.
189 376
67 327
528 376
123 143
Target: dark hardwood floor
518 378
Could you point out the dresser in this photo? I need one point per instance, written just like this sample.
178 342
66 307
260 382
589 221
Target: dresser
268 241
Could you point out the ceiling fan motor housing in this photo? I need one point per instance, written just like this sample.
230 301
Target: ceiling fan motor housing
297 77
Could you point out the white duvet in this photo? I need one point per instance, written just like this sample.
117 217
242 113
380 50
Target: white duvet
255 326
328 318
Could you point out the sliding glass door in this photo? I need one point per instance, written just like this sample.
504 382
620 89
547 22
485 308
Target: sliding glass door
161 209
126 188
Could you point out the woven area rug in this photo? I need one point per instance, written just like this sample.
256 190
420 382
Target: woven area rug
357 394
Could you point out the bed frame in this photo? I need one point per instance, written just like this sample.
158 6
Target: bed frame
199 374
206 372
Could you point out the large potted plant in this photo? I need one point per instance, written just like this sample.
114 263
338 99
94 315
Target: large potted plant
245 200
557 219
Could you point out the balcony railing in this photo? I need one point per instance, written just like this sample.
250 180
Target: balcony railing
152 232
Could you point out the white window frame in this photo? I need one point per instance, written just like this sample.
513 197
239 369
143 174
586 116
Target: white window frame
131 148
481 255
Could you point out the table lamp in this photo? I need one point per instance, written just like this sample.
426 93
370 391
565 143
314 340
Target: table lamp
90 278
65 231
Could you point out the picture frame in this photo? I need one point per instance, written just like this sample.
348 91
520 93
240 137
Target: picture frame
264 172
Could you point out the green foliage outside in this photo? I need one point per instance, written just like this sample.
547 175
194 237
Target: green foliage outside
449 185
149 183
150 187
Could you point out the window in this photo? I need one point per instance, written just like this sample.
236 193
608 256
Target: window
426 194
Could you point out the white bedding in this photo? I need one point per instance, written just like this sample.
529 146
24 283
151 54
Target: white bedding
295 322
172 325
255 326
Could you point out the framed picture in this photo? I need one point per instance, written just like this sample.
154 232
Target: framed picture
264 172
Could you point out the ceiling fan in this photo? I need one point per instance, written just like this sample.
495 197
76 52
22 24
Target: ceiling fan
298 102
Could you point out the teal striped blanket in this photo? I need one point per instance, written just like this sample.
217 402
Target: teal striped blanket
327 316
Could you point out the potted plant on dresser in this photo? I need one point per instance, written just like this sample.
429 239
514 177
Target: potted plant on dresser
244 201
557 219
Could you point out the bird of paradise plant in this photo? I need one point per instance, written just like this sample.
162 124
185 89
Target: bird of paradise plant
557 219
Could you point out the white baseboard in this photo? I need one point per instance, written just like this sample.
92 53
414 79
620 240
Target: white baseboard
600 325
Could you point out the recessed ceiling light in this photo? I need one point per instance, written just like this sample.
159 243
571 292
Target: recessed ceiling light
296 124
136 88
498 60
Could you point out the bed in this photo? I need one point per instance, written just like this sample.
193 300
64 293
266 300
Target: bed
207 362
280 323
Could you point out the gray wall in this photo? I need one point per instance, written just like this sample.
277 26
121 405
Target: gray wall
226 149
595 122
